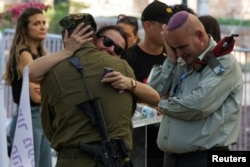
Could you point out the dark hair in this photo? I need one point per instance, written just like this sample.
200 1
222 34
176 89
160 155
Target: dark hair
116 28
182 7
130 20
212 27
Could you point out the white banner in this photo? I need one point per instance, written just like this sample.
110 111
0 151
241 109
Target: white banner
3 142
22 154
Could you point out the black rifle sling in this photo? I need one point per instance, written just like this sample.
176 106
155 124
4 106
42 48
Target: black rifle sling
224 46
92 103
106 153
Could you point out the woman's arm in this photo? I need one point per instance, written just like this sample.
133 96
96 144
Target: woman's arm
34 88
144 92
35 95
39 67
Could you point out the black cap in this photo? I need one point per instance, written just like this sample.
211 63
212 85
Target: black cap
157 11
71 21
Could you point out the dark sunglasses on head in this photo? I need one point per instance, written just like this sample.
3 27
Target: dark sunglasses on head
123 18
109 42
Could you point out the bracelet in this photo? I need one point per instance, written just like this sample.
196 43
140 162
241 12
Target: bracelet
133 85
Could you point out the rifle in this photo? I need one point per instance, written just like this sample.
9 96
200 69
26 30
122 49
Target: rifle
106 153
223 47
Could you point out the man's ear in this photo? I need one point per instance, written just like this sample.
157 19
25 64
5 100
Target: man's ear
200 35
146 25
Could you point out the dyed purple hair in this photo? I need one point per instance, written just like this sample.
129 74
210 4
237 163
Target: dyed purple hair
177 20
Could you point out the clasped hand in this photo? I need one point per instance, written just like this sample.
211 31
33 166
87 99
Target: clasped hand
117 80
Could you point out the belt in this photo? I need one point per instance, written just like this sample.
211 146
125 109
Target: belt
199 151
219 149
73 153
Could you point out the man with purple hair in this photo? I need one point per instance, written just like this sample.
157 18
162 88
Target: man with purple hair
202 111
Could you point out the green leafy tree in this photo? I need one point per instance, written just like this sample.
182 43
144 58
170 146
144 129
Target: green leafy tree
60 10
11 13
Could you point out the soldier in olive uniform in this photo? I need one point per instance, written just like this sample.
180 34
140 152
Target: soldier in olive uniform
65 125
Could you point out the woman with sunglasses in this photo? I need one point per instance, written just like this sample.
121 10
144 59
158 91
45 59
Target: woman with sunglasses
110 39
130 25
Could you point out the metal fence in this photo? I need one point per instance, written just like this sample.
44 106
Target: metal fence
243 56
54 43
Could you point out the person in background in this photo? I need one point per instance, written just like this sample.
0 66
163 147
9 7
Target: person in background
212 26
66 91
142 57
182 7
27 46
200 101
130 25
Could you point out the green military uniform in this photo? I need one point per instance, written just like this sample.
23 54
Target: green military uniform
64 124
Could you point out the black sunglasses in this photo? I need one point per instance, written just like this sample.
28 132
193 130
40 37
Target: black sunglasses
109 42
124 18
